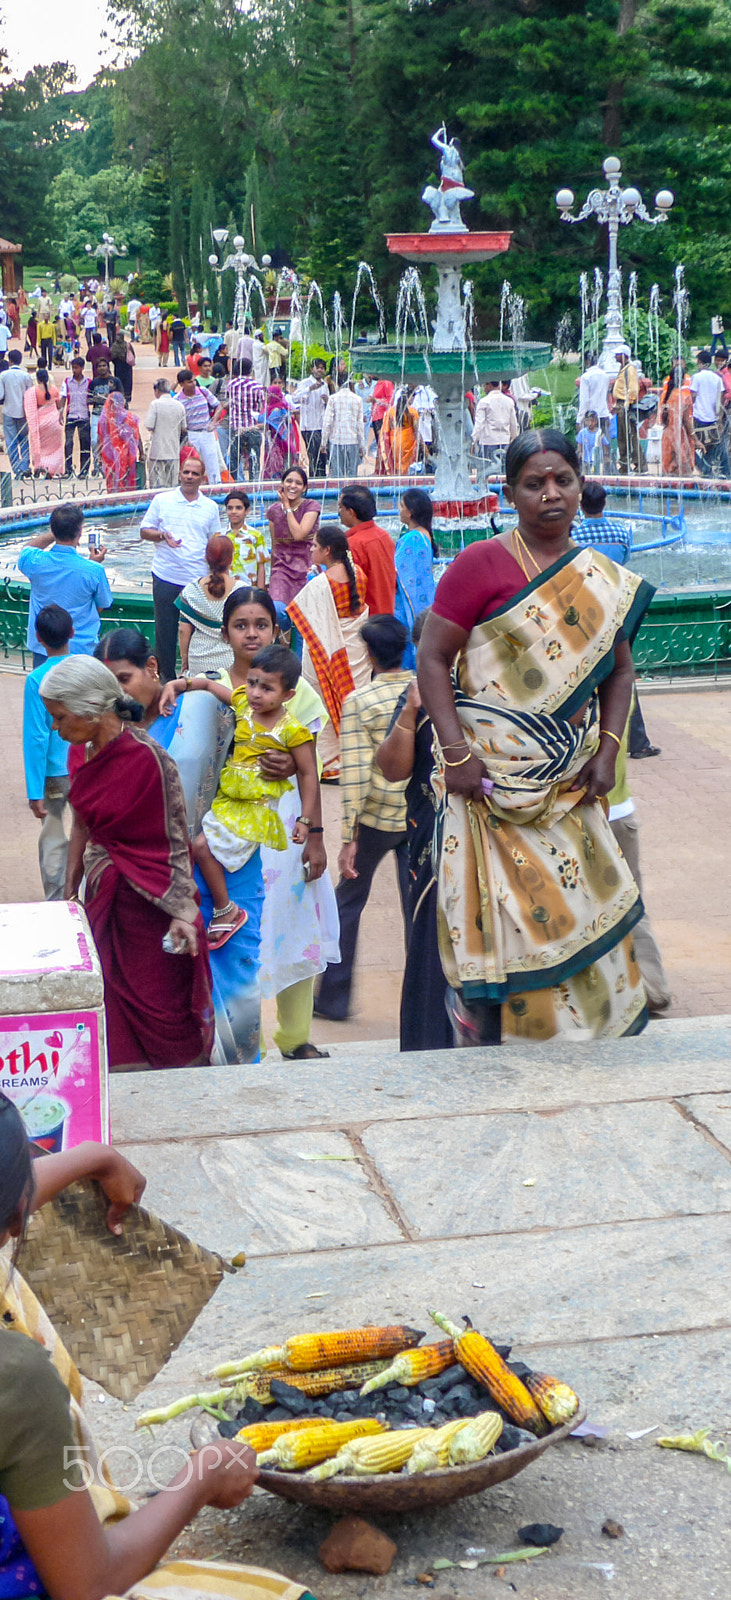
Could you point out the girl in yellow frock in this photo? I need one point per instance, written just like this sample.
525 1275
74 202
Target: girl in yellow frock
243 815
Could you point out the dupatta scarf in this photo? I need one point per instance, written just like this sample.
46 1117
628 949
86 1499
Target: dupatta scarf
536 902
119 442
138 876
334 657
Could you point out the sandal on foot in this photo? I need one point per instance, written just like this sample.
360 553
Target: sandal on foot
306 1052
220 931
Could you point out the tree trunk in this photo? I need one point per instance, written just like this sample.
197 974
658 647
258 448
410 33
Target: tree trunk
612 107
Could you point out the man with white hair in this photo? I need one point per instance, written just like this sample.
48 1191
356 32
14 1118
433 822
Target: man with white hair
167 427
593 387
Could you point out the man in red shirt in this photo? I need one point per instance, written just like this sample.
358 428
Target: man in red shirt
371 547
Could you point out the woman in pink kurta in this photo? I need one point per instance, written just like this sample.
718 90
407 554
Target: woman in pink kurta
44 425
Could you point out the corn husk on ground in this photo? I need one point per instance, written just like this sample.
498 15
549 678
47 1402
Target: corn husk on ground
294 1452
368 1457
313 1352
480 1358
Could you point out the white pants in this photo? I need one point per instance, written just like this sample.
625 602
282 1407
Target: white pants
207 446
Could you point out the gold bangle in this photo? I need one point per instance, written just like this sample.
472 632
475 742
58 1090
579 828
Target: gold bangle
406 727
461 763
611 735
455 746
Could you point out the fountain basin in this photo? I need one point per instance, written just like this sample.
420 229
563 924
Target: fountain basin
491 359
450 248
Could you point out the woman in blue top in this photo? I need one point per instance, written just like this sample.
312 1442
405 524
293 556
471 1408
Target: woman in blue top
415 554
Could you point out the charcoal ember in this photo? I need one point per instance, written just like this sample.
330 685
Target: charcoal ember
229 1428
462 1393
474 1408
342 1416
520 1369
251 1411
279 1414
348 1398
438 1419
412 1408
448 1379
428 1406
297 1404
540 1533
320 1408
398 1392
430 1387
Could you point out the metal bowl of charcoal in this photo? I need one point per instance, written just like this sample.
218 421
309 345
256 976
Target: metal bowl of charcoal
431 1403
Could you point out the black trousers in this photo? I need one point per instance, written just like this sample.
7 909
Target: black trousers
313 442
84 429
352 894
167 617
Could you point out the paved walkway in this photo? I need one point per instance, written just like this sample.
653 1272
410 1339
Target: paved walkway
683 805
581 1210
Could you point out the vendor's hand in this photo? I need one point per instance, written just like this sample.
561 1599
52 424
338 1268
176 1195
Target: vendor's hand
276 764
597 776
167 538
184 930
466 778
169 696
122 1184
98 555
346 860
315 855
39 810
230 1474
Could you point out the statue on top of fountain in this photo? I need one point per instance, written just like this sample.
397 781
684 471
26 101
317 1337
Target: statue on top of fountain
446 200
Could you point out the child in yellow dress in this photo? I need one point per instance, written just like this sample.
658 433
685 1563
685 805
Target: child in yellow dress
243 814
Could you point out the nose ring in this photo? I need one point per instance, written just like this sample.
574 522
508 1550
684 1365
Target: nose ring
544 498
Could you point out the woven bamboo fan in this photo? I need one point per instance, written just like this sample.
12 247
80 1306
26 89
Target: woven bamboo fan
120 1305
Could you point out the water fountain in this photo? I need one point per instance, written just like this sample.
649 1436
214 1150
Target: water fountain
441 361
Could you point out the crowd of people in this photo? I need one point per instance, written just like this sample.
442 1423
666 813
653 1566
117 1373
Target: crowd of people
681 431
281 666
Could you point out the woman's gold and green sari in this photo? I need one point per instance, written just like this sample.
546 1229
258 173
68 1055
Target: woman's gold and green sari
536 902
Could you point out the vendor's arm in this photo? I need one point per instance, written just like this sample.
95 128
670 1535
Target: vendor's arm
123 1185
441 641
615 698
396 755
75 859
79 1559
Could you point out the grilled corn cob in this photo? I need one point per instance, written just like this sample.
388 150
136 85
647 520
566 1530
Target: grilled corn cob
432 1452
476 1439
311 1352
305 1448
260 1435
483 1363
257 1384
554 1398
366 1456
412 1366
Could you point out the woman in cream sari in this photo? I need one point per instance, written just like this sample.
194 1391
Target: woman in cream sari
525 669
329 612
65 1532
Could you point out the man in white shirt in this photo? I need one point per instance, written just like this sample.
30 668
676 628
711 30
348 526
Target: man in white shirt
343 430
89 320
166 425
179 523
706 387
133 307
310 399
13 386
496 424
522 394
593 386
65 306
4 338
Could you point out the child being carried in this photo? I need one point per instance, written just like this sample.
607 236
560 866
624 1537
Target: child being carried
243 814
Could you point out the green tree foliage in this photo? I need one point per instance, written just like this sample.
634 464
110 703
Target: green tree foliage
83 208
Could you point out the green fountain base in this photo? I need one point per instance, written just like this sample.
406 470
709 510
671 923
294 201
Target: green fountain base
491 359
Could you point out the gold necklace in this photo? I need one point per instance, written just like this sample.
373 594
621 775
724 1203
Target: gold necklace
520 544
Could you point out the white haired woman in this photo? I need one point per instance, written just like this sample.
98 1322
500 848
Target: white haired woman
130 839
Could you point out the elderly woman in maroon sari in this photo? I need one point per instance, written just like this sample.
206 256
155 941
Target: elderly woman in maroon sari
130 839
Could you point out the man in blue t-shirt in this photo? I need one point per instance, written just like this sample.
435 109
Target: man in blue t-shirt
45 755
58 574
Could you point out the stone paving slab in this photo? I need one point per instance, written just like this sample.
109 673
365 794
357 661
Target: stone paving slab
712 1114
377 1084
502 1174
265 1195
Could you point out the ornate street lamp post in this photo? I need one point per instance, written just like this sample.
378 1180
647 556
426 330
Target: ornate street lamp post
240 262
614 206
108 250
